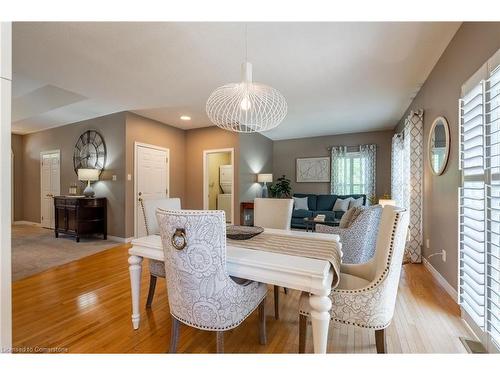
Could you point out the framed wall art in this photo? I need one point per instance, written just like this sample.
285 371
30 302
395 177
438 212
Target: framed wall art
313 169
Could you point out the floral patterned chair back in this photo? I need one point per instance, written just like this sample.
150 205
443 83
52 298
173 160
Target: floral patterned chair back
200 292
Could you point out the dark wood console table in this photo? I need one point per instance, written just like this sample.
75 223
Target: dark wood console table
246 208
76 216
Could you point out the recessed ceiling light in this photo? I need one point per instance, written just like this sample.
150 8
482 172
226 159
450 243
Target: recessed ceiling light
185 118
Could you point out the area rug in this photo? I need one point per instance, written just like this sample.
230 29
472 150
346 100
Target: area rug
35 249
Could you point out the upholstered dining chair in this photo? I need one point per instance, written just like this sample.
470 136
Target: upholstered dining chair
366 294
273 214
148 208
359 237
201 293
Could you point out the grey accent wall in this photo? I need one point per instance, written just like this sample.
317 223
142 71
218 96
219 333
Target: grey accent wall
18 151
112 128
144 130
287 151
471 46
256 156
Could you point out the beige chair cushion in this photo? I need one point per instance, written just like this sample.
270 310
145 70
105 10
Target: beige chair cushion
273 213
350 282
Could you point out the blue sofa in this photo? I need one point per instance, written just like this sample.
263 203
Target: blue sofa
320 204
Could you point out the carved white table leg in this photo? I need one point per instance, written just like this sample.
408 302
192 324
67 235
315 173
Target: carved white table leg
320 319
135 270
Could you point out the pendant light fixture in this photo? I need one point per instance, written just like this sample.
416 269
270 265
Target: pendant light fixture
247 106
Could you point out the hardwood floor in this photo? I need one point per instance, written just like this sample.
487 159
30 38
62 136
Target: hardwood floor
85 307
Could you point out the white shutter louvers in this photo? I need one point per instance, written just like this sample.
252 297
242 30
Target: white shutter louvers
479 287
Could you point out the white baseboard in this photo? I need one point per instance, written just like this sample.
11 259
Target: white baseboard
24 222
441 280
120 239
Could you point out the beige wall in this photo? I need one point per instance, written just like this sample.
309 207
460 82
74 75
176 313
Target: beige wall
141 129
215 160
287 151
112 128
471 46
120 131
198 140
256 156
18 150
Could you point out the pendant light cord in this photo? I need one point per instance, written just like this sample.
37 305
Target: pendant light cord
246 42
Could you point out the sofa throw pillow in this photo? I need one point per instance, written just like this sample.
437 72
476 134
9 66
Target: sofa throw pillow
356 213
356 202
300 203
341 204
345 220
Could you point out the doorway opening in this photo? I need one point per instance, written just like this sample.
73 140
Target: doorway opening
218 181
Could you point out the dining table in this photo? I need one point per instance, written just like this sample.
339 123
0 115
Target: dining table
304 273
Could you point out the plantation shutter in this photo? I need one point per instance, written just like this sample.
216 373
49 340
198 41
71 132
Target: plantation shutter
479 287
472 204
492 117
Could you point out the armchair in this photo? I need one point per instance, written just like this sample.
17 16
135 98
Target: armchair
201 293
359 239
366 295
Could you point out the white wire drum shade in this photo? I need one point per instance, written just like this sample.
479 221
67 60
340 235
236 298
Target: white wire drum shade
246 107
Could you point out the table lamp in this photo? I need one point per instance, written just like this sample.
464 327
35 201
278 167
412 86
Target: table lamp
264 178
87 174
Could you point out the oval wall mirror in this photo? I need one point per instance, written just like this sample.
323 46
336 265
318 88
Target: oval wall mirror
439 145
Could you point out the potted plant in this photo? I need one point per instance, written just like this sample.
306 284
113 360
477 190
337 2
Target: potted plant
282 188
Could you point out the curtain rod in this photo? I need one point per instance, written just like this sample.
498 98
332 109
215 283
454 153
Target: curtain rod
329 148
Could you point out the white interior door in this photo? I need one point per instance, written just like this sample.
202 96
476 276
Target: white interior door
151 177
50 186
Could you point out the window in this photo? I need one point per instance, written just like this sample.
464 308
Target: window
351 178
479 261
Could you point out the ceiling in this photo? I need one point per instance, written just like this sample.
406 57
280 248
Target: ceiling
337 77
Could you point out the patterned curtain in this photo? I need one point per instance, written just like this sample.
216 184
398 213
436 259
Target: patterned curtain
406 179
369 169
338 177
398 187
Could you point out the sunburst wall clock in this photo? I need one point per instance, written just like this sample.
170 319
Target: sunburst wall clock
89 152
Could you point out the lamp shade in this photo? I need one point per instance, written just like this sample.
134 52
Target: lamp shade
387 202
264 177
86 174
